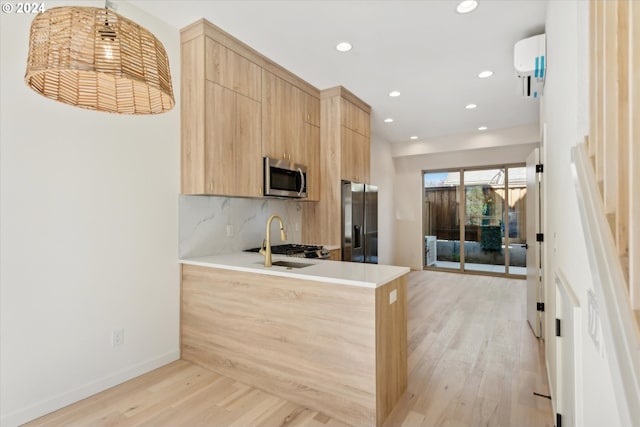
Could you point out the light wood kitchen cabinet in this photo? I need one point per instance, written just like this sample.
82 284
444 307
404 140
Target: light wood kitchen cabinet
285 110
312 160
345 351
311 112
355 152
335 254
221 118
355 118
290 128
238 106
345 154
233 127
230 70
282 129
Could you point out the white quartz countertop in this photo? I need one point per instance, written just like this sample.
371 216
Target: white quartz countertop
344 273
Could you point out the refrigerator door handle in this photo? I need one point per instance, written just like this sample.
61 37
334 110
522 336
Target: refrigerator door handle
357 236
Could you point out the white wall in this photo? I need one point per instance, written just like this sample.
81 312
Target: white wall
506 137
88 229
565 109
409 241
382 175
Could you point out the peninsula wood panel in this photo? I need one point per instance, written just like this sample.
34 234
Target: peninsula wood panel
316 340
391 346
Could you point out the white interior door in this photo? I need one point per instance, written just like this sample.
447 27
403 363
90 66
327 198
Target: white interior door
534 266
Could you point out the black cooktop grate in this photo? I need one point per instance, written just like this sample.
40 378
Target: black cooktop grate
289 249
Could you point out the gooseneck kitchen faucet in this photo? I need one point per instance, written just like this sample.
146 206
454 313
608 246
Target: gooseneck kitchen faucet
265 248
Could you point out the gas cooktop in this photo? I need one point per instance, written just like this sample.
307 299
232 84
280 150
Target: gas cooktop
295 250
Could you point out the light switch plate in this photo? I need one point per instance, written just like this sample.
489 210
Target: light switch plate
393 296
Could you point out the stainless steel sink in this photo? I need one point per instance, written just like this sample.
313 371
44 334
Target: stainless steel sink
289 264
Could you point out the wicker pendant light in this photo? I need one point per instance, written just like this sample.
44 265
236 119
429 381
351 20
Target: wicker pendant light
94 58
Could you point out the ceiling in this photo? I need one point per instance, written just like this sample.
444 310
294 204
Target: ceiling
422 48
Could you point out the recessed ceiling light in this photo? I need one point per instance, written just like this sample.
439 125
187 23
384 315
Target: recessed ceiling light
470 106
467 6
482 128
389 120
394 93
344 46
485 74
413 137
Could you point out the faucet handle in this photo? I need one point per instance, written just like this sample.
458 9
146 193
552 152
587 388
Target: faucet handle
263 247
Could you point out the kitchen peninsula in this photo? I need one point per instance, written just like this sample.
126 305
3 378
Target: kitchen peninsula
329 335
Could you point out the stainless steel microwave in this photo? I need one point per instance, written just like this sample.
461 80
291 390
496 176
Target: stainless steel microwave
284 179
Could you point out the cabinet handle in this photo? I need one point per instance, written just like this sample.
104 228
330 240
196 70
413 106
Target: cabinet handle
260 191
211 187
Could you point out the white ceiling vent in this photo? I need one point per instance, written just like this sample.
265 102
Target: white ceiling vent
529 59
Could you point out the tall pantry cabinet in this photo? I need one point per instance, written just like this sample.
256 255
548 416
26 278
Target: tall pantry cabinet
345 139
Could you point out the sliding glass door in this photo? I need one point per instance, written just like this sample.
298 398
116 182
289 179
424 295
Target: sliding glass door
441 220
474 220
484 220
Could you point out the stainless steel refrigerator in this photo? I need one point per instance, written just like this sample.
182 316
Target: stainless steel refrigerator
359 222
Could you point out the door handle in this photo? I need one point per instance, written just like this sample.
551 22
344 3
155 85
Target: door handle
357 236
526 246
302 183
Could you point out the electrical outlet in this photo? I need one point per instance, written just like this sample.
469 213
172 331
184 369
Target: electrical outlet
393 296
229 230
117 337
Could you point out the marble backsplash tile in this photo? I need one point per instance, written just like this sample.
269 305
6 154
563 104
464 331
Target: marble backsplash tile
203 223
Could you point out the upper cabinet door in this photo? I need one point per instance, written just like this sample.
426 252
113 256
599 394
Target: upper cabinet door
233 164
232 71
312 109
283 107
355 118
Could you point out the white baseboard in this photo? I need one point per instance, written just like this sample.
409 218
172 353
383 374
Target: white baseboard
54 403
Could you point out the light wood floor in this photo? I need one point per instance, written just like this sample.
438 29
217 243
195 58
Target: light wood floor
473 361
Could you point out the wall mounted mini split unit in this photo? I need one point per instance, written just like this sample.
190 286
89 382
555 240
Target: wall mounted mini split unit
529 59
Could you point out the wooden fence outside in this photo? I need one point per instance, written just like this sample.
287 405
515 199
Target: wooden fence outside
441 214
